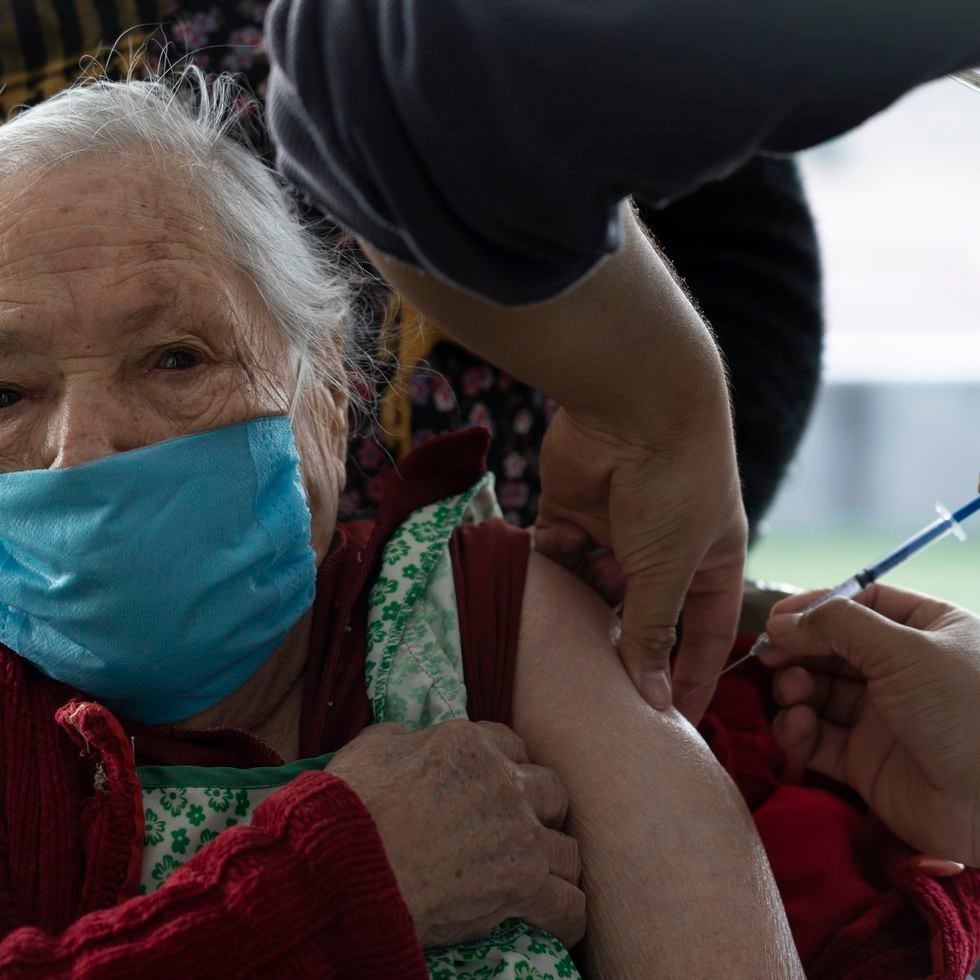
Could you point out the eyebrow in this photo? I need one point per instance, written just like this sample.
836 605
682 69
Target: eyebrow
147 314
14 340
18 340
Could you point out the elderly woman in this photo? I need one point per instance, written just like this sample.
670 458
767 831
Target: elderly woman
192 646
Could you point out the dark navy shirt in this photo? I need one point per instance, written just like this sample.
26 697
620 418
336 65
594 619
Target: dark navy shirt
490 141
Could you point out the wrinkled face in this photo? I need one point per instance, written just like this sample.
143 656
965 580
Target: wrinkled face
121 326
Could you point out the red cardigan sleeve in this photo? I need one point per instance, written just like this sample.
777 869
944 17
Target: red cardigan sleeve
306 890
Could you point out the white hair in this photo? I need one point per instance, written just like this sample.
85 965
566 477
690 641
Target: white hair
185 118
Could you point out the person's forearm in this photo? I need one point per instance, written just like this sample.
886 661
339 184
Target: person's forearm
625 347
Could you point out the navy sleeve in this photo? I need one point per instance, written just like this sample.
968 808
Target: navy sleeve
490 141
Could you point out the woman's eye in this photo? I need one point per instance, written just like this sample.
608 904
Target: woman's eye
178 360
9 397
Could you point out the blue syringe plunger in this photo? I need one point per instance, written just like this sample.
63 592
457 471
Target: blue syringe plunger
947 523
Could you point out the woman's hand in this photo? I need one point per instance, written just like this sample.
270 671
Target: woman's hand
883 695
672 518
470 828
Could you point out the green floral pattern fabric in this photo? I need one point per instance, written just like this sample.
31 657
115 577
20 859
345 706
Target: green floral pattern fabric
414 676
180 822
513 950
186 807
414 660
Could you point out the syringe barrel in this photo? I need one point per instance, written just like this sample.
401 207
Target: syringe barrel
928 535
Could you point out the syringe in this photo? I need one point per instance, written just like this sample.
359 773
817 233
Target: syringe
947 523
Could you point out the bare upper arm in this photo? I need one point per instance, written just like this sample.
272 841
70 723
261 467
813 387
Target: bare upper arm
666 838
569 683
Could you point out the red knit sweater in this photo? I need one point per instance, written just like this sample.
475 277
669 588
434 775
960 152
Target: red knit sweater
305 890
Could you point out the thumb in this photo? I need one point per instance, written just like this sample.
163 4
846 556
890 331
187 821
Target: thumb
855 633
650 615
561 541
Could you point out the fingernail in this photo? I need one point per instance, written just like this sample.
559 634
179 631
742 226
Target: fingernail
783 623
655 689
937 867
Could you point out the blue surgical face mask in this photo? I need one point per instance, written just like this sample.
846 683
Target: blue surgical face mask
159 580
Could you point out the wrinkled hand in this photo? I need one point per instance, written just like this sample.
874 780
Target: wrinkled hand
674 522
470 829
882 695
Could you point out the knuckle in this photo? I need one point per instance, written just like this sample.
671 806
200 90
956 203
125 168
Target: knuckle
453 734
455 728
554 792
654 641
562 910
383 728
513 790
501 735
565 855
829 613
492 728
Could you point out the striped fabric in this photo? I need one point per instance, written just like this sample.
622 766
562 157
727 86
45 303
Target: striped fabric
45 44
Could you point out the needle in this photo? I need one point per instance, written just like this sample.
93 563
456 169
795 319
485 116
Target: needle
946 523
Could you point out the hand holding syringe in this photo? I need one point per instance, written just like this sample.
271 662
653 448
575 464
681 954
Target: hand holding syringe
947 523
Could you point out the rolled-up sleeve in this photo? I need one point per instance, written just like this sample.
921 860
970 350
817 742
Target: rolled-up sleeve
490 141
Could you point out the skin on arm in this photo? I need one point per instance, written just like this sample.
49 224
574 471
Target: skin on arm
676 878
